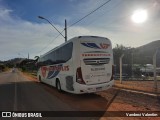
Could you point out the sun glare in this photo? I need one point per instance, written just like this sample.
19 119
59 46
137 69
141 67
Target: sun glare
139 16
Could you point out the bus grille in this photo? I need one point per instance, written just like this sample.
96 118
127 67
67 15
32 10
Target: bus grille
96 61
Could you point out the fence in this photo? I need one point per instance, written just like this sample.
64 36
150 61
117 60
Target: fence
138 73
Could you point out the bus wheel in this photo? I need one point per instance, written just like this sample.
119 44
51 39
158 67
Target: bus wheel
40 79
58 86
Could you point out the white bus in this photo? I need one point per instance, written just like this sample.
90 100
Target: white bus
81 65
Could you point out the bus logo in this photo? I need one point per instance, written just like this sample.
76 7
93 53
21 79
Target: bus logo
95 46
44 69
104 45
53 71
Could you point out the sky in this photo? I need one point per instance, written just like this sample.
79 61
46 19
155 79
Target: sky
22 32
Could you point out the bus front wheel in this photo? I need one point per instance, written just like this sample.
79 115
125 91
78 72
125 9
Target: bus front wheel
40 79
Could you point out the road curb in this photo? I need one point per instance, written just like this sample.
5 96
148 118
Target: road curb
138 92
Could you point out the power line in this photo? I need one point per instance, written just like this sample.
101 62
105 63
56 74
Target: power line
89 13
81 20
93 20
100 16
50 42
120 19
75 23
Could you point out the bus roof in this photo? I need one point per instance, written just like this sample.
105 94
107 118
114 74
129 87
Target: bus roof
92 37
72 40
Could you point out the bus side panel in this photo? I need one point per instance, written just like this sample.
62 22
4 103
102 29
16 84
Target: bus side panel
66 77
70 78
76 57
62 71
42 72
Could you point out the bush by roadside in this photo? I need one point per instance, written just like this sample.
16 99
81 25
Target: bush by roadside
3 68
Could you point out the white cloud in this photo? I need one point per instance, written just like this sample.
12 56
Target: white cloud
5 16
19 36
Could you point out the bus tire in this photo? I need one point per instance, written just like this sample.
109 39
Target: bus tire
40 79
58 86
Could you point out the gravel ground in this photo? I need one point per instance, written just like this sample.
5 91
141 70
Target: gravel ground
128 101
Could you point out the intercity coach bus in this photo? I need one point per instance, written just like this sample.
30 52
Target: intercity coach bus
83 64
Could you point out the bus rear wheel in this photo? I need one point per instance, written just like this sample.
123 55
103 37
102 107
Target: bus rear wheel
58 86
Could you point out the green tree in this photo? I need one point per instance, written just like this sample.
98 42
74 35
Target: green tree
118 50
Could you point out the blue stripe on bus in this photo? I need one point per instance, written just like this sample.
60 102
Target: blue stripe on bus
54 73
91 45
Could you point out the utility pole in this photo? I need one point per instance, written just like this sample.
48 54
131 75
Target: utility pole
65 30
28 55
154 65
132 64
120 60
65 37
